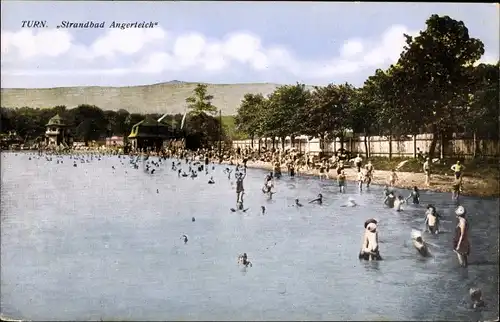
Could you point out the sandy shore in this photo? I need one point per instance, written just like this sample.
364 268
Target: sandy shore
406 180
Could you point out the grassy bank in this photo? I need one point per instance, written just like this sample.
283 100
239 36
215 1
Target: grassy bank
484 169
480 179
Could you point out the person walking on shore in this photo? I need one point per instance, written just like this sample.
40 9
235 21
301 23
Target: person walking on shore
427 171
458 168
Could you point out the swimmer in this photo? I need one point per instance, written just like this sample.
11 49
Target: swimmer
157 191
341 180
297 203
193 219
211 181
369 248
398 203
319 200
350 203
431 220
390 200
421 246
263 210
185 239
243 259
414 195
476 296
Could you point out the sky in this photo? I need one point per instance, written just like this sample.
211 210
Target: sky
315 43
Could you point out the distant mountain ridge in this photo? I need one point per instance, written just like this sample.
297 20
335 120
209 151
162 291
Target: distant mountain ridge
169 97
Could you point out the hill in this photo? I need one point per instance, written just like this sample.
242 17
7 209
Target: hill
167 97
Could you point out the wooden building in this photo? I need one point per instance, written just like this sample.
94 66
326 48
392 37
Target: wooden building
149 135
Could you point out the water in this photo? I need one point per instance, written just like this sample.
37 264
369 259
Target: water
90 243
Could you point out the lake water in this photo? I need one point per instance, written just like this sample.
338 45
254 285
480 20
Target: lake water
90 243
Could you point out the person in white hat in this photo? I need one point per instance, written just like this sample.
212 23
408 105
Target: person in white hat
369 248
461 244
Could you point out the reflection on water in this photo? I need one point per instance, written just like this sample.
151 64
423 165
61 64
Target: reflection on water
91 242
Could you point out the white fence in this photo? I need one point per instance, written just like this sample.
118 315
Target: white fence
405 146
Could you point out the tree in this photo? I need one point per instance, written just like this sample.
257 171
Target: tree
200 102
328 109
89 121
363 112
482 114
249 113
284 111
431 74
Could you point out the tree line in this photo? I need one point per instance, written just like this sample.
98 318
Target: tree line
89 122
435 87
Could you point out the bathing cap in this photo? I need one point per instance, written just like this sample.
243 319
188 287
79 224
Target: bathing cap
460 211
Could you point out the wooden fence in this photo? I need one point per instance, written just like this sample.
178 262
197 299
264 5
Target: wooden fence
406 146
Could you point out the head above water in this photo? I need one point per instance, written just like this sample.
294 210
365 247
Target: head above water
372 227
475 294
460 211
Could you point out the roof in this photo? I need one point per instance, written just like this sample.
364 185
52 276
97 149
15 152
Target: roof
149 121
56 120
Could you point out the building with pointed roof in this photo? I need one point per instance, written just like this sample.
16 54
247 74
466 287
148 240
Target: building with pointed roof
57 132
149 134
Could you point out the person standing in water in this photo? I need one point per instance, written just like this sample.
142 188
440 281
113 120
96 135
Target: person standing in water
414 195
239 187
361 179
393 178
358 162
368 174
390 199
461 244
369 248
432 220
341 179
456 189
427 170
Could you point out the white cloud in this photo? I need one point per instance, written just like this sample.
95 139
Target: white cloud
29 44
352 47
126 42
156 51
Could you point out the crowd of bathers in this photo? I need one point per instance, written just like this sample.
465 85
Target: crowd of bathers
190 164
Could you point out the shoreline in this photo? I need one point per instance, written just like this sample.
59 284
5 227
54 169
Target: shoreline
472 187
